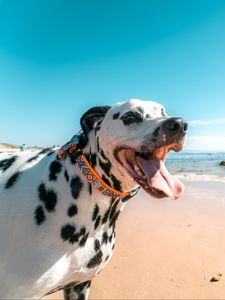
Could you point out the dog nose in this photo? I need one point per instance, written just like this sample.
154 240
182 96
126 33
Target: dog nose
175 126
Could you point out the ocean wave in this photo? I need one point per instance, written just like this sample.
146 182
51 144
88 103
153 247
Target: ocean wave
201 177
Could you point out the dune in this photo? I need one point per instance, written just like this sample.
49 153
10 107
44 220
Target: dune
8 147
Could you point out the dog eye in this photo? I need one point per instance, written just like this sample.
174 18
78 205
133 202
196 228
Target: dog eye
128 116
131 117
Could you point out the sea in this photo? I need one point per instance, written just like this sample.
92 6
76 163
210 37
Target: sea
197 166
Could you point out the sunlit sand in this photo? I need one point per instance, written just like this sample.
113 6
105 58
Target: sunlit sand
168 249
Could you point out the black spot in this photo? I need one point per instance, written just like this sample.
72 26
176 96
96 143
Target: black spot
6 163
12 180
76 186
153 140
97 221
93 160
66 175
116 116
81 297
72 210
73 160
106 216
32 158
103 155
83 240
39 215
156 131
48 197
55 168
98 147
114 219
80 287
67 289
126 198
105 180
74 156
107 257
113 210
98 126
105 238
50 153
147 116
116 183
50 201
105 166
140 109
95 212
99 123
87 156
46 150
82 231
68 233
90 188
67 293
97 245
113 246
132 117
110 238
95 261
42 192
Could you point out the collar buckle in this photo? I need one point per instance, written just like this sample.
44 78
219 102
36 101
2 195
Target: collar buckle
71 146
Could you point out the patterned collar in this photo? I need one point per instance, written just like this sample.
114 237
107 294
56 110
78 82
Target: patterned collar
90 174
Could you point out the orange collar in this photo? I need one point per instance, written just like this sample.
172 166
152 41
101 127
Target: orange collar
96 181
91 175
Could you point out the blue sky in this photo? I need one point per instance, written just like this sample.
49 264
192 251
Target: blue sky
58 58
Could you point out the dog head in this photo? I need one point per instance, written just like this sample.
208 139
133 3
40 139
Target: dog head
135 137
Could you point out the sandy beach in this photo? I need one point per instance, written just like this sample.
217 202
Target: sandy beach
168 249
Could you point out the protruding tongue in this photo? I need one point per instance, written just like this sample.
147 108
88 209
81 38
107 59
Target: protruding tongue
159 178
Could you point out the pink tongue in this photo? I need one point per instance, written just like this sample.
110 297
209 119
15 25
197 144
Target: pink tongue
159 178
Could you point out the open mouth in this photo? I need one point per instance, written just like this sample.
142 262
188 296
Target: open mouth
149 171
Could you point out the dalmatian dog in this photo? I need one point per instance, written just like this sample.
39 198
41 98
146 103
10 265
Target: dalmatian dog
57 231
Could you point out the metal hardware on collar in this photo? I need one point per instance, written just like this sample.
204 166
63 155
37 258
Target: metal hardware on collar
70 146
91 175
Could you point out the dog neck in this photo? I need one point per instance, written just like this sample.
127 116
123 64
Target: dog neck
108 168
99 170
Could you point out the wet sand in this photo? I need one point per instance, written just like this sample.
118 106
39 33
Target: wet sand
168 249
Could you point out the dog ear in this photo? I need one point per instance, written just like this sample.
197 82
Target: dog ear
90 118
93 115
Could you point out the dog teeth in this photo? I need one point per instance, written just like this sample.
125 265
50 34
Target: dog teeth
141 174
138 171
